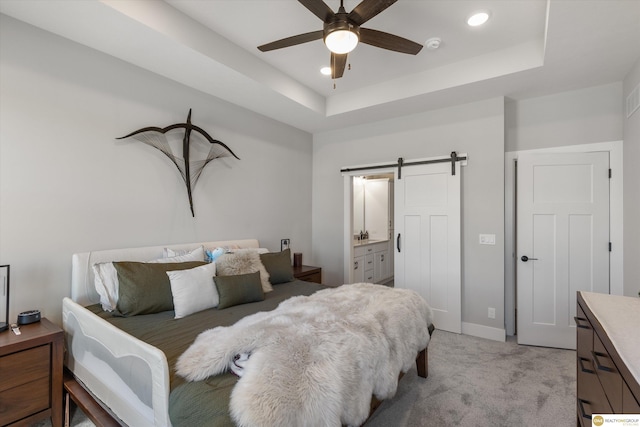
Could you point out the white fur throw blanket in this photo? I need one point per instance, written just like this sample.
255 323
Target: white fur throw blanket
316 360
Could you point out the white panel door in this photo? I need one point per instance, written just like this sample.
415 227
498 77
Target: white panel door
427 227
562 241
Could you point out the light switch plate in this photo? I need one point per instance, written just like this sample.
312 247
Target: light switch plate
487 239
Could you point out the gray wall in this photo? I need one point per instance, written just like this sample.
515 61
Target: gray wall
632 190
568 118
66 185
476 129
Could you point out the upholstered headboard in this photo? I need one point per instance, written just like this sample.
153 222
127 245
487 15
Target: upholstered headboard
83 290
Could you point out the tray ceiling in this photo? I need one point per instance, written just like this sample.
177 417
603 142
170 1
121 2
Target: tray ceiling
528 48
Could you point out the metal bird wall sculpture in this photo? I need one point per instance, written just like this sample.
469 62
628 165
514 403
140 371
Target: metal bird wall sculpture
189 170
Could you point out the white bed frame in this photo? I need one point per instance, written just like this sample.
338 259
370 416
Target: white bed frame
128 376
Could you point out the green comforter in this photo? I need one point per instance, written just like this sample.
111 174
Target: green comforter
201 403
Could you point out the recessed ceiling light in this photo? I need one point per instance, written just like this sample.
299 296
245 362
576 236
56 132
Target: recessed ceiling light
326 71
478 18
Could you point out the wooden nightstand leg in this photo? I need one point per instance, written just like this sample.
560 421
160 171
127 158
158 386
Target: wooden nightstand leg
57 415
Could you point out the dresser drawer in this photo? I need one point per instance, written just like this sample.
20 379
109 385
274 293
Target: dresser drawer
24 366
22 401
629 403
584 334
590 391
608 374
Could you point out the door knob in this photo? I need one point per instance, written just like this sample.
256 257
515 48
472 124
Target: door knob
525 258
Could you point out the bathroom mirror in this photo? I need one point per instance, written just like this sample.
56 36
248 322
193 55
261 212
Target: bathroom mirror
358 205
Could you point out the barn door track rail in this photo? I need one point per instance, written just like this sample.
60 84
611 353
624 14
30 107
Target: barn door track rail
453 158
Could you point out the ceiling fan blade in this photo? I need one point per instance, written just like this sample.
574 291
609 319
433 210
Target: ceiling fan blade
338 64
367 9
318 8
292 41
389 41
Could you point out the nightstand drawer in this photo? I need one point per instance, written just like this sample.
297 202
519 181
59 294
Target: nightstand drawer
313 277
25 400
24 366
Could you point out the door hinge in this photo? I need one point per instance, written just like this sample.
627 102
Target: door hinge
609 172
609 246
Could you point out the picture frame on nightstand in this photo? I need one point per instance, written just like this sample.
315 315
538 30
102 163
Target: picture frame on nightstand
4 297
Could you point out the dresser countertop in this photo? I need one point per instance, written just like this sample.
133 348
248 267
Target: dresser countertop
620 318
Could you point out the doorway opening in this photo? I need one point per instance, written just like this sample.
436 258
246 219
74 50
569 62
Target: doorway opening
371 228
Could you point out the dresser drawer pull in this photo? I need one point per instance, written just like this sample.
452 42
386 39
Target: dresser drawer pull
583 414
595 355
582 368
580 319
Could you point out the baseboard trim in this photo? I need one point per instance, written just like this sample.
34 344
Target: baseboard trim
481 331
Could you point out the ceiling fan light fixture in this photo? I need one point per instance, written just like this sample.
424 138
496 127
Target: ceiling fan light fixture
341 32
341 37
341 41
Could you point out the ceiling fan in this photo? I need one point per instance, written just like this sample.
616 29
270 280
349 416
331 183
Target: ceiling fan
342 31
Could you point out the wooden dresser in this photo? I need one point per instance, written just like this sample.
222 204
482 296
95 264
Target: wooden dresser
31 374
608 355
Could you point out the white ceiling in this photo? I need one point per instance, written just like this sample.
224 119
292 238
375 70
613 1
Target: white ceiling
528 48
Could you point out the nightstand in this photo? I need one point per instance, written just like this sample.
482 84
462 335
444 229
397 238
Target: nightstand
31 372
308 273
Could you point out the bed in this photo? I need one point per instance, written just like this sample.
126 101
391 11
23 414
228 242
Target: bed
127 363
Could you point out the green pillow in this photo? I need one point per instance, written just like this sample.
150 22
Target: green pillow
240 289
278 265
145 288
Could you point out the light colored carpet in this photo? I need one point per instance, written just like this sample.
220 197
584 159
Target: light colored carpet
477 382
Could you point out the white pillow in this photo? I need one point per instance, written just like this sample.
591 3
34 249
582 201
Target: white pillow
193 290
106 284
178 256
106 276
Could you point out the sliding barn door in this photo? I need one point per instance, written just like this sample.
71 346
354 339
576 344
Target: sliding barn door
427 238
